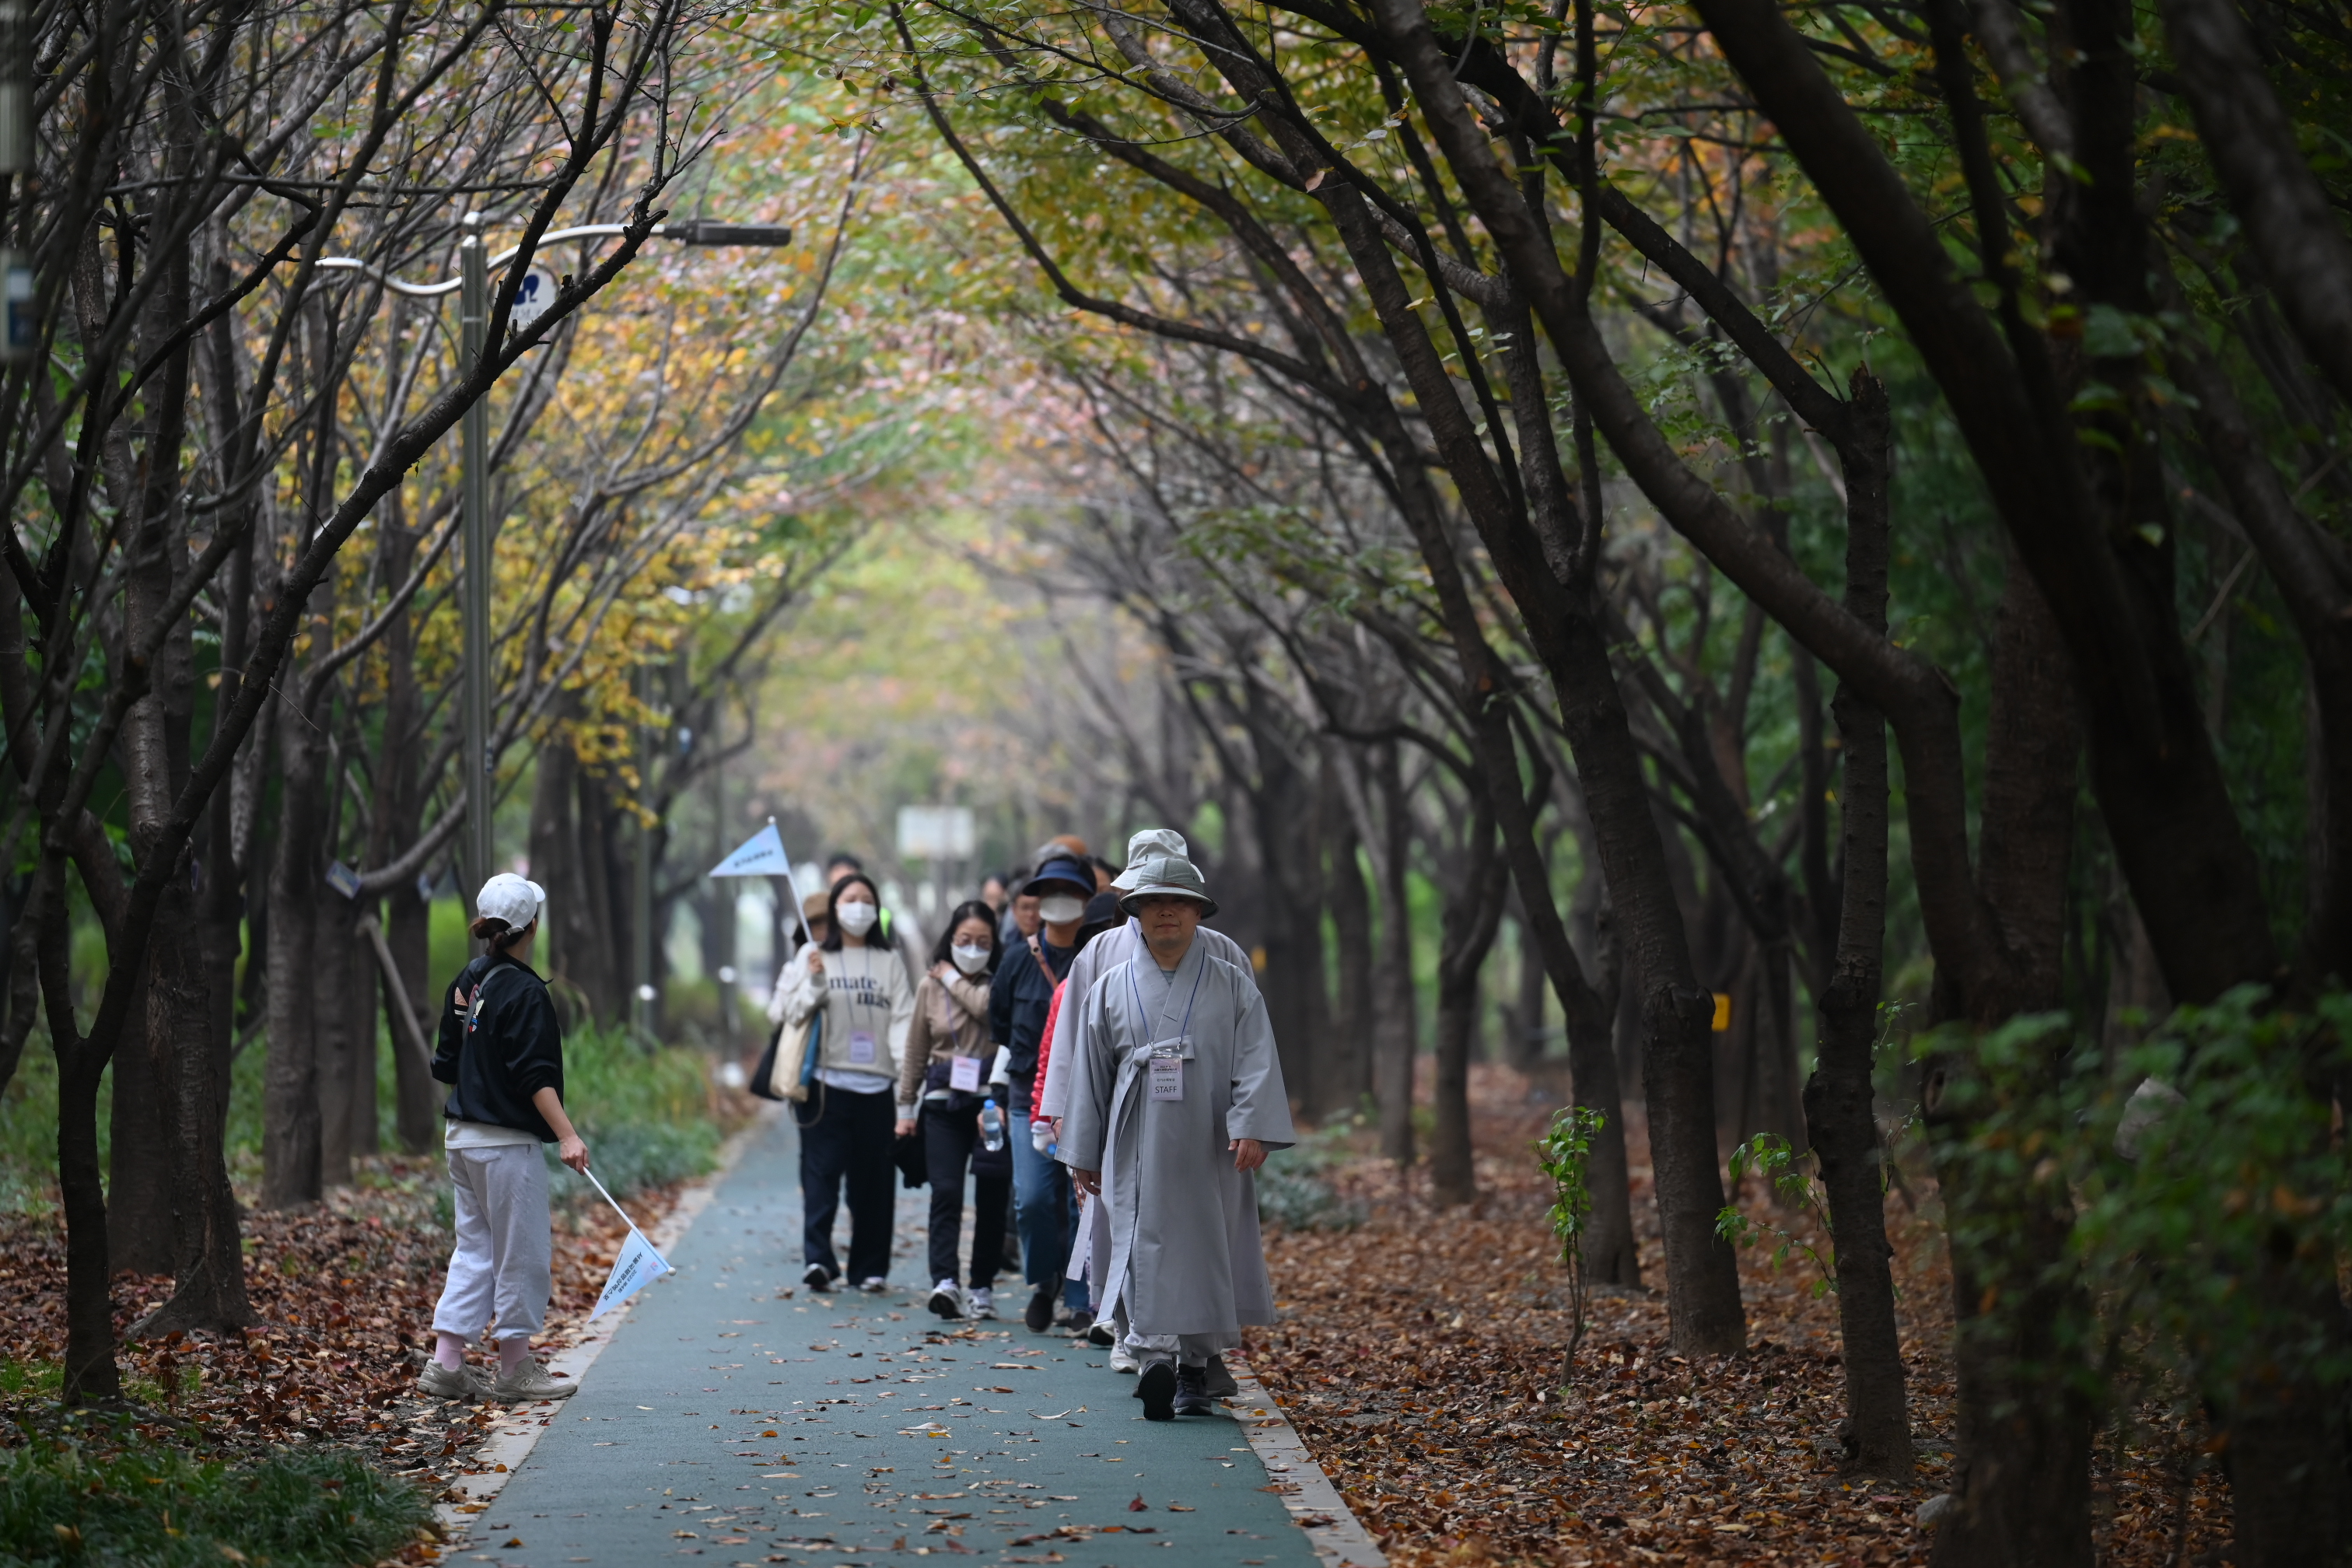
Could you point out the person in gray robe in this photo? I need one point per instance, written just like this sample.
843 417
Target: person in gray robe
1107 951
1174 1086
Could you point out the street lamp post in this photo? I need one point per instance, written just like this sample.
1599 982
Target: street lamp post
472 284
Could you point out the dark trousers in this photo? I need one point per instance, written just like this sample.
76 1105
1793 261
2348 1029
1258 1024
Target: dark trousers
846 1136
949 1139
1048 1208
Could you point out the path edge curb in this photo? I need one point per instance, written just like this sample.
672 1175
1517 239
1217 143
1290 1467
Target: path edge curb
502 1454
1343 1544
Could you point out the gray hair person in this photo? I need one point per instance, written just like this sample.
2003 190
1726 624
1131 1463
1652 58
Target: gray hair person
1174 1069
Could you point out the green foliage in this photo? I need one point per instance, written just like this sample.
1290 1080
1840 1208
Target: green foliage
2207 1205
647 1114
143 1504
1564 1154
1789 1173
1293 1187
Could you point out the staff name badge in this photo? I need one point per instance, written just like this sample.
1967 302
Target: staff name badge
861 1050
964 1074
1168 1070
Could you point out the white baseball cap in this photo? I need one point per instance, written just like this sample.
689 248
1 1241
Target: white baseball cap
514 899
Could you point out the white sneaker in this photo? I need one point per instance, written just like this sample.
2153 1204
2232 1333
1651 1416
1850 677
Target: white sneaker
817 1277
467 1383
1123 1360
874 1286
532 1383
983 1302
947 1299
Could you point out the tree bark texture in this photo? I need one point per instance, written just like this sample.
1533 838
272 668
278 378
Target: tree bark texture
1473 914
1397 1038
1841 1124
292 1132
1343 1079
2024 1427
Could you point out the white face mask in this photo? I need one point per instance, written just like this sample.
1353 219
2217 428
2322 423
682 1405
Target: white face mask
856 919
971 960
1060 909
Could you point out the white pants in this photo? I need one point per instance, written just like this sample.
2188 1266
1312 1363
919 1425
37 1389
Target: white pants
505 1254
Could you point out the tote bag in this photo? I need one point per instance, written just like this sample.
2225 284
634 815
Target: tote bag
788 1066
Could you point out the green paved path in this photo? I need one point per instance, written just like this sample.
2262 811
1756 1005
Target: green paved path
726 1422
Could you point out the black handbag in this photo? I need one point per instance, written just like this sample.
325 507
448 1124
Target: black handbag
912 1155
767 1068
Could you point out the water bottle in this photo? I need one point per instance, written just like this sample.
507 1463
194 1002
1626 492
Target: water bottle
1041 1138
991 1126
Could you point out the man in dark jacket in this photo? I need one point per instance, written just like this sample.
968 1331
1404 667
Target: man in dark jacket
502 1052
1018 1001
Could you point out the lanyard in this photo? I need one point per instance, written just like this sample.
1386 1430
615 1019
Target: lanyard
1183 1029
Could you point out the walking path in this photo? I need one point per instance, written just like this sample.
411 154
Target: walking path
733 1416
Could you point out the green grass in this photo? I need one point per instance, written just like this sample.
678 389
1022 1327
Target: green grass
647 1114
63 1502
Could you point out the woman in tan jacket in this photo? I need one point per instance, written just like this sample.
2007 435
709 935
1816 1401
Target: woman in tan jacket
943 1085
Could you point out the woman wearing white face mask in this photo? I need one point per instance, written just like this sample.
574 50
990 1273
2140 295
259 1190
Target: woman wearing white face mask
949 1069
846 1122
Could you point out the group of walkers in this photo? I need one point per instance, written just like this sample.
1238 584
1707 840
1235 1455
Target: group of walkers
1077 1042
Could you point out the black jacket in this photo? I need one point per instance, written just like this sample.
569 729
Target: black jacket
1018 999
500 1043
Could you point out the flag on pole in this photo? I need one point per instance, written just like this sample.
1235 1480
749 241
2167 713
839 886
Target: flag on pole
762 855
638 1267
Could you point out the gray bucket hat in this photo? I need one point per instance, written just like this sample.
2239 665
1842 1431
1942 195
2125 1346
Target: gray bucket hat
1143 848
1160 876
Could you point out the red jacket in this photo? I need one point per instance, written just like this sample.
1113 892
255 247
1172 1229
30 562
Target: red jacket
1045 1044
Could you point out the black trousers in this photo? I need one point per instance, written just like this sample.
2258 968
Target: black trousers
949 1139
846 1136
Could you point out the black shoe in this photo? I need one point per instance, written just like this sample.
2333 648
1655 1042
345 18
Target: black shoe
1102 1334
1192 1393
1220 1383
948 1302
817 1277
1157 1388
1039 1317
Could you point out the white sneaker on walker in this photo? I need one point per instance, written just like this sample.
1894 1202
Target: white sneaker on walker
467 1383
532 1383
947 1299
983 1302
1123 1359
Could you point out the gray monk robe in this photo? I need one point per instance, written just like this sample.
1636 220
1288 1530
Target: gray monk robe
1184 1249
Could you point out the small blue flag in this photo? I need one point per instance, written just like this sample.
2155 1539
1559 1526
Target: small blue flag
638 1267
762 855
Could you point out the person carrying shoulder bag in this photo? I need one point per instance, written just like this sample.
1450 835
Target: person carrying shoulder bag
942 1078
856 976
502 1052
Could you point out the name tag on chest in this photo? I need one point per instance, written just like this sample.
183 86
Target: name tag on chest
964 1074
1167 1067
861 1050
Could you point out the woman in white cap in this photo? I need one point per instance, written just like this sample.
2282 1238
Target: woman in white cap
502 1052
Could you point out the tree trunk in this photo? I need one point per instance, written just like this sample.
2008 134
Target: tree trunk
1473 914
1840 1123
1344 1078
2023 1430
290 1129
334 945
395 822
1397 1040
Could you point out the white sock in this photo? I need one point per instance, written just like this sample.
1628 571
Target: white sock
448 1350
512 1353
